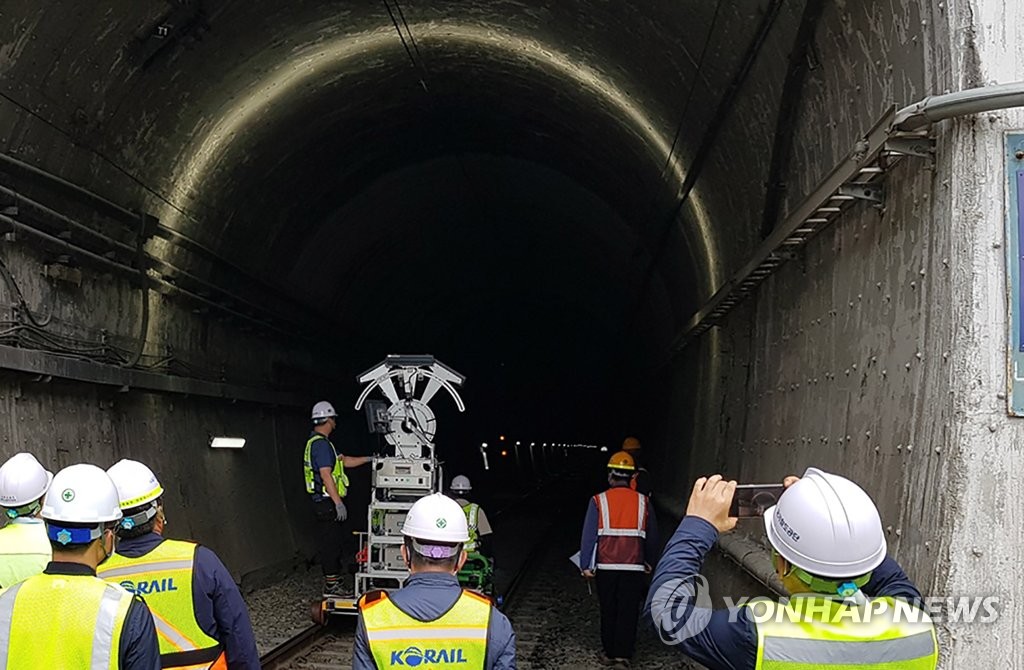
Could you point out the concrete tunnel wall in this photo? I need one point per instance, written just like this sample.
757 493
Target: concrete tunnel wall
795 375
881 352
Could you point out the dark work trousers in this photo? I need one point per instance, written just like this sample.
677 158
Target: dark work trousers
620 593
330 537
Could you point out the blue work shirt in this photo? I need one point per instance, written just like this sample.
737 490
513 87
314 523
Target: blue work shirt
429 595
138 648
216 601
726 644
588 539
321 455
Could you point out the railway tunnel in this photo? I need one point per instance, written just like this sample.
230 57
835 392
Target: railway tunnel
217 213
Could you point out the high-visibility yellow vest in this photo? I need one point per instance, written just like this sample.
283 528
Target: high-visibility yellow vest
164 578
62 621
338 474
457 640
24 550
816 632
472 511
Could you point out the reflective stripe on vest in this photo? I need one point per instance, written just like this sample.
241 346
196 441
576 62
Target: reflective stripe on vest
621 529
337 474
456 640
24 550
472 511
816 632
164 578
62 621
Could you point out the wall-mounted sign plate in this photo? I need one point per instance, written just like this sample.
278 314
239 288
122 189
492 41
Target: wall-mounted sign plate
1015 270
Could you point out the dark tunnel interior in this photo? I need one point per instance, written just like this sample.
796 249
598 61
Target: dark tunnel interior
539 193
483 197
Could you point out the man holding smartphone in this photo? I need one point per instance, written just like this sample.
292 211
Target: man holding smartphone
829 550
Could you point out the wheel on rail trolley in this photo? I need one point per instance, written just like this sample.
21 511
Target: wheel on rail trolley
478 574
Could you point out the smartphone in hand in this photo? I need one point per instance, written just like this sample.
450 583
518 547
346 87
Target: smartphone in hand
752 500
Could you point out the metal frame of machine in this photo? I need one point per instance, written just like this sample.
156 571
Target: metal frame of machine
402 477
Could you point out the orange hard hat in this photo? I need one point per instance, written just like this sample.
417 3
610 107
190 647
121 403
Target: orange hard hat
620 460
630 444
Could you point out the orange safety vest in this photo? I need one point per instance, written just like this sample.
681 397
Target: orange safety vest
621 529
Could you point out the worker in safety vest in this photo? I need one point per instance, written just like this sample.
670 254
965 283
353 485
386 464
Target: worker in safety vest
476 519
66 617
618 546
24 547
431 621
201 619
327 484
850 605
641 481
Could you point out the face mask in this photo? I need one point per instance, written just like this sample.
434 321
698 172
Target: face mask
113 546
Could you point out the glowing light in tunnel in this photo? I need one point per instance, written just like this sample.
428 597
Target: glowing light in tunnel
335 56
227 442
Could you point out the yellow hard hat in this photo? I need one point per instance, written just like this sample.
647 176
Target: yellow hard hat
630 444
620 460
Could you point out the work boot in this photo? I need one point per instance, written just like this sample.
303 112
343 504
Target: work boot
604 659
332 585
347 586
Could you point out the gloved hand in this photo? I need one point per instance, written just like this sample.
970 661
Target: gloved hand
342 511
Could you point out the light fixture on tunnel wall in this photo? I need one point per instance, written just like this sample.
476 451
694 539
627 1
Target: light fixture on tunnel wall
227 442
604 448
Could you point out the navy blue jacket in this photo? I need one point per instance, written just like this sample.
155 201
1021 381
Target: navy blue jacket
588 539
216 601
725 644
428 595
138 648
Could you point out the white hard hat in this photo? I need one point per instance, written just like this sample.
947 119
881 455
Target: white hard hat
323 410
81 494
828 526
461 484
136 485
23 480
436 518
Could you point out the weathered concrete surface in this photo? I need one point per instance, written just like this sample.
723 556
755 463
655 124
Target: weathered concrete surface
986 536
880 354
231 500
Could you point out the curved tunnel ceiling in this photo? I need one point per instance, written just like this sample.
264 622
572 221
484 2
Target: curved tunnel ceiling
492 181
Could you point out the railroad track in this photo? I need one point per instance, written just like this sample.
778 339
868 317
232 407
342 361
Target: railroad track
554 613
330 646
316 647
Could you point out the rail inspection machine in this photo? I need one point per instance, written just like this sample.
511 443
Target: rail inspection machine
408 470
